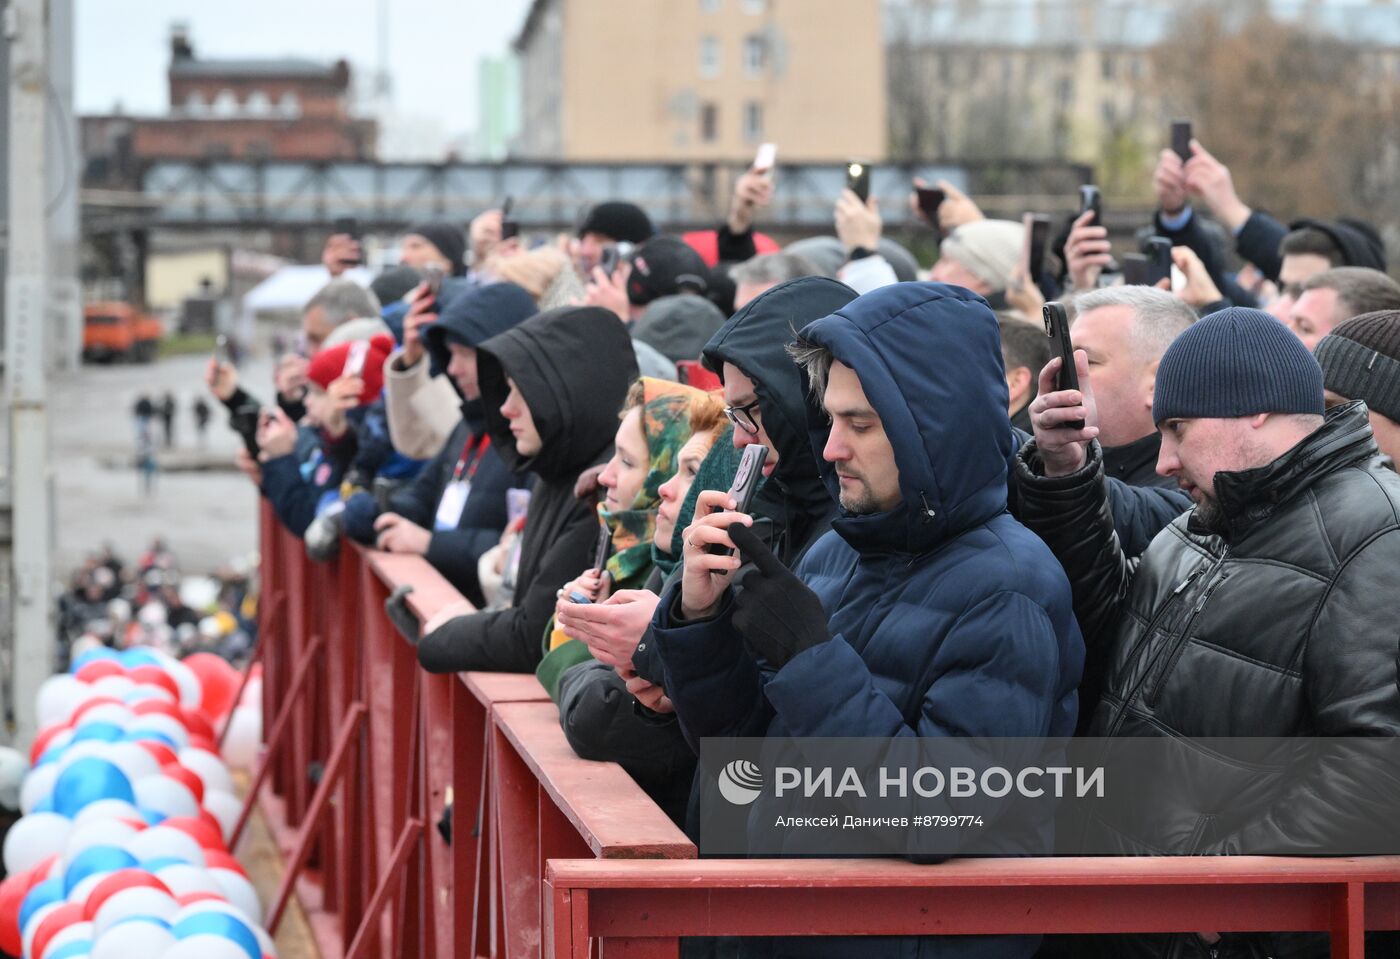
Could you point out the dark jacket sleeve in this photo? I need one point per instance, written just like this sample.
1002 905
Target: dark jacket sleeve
735 247
417 501
597 715
1212 255
295 409
512 640
1071 514
1258 242
1348 779
239 399
292 498
1141 512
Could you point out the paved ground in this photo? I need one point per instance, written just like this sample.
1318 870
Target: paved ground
206 516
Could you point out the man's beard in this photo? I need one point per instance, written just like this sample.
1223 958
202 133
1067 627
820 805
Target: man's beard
861 502
1209 514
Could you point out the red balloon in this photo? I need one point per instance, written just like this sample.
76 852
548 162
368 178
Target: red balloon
54 923
198 725
206 817
182 775
218 859
219 682
12 893
155 676
97 669
163 753
205 743
209 837
92 704
41 741
193 897
146 707
116 882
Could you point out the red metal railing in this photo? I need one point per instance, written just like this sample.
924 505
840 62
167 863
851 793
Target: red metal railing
556 855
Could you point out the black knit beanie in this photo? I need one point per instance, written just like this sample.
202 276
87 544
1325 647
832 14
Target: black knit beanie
450 241
620 221
1237 362
1361 361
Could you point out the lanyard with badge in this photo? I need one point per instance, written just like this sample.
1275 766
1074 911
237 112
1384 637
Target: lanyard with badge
454 495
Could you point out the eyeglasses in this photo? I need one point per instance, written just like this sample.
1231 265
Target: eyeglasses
744 417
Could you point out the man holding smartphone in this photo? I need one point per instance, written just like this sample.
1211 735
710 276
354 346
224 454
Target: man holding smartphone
926 611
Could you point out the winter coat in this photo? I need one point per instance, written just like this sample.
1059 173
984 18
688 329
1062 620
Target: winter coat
1277 622
947 617
573 367
297 484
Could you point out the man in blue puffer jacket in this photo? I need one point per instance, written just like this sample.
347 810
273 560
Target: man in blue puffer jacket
926 611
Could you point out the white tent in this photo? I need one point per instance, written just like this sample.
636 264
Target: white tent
288 290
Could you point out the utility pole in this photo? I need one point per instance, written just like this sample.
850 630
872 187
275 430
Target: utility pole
26 499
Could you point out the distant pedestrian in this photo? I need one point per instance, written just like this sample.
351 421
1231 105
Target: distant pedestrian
144 409
146 456
167 418
202 414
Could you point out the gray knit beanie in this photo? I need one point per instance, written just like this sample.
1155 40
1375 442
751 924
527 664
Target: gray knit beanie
1361 360
988 249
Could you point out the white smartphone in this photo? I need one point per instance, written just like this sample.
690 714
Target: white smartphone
766 159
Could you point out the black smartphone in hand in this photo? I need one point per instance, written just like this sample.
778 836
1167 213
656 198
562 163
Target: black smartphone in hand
1057 328
930 199
1158 250
746 480
858 179
1181 139
509 228
1091 199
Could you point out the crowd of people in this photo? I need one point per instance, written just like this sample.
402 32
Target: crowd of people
112 603
1201 538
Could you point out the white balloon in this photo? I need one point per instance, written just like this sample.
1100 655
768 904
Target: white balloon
132 760
114 713
149 691
102 832
56 870
104 809
265 942
81 750
183 880
135 901
84 888
58 696
164 795
160 842
35 921
203 946
209 768
114 686
226 808
245 733
37 785
33 839
191 692
60 741
167 725
252 693
132 939
78 932
238 891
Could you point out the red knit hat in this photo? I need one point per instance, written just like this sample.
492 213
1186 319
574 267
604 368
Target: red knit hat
343 360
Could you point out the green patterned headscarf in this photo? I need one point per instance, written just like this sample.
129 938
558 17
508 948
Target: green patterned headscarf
666 426
716 472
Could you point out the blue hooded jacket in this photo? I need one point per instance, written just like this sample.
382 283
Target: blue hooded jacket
947 616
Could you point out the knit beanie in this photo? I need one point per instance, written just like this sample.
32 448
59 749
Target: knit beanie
1360 360
679 325
988 249
450 241
1236 362
331 364
620 221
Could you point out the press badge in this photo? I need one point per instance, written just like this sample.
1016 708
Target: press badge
454 500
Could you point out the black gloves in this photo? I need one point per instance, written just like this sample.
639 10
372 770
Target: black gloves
773 609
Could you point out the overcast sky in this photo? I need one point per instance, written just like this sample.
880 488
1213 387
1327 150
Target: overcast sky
122 47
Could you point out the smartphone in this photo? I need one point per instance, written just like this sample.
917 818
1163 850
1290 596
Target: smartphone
221 352
1134 269
858 179
603 548
576 597
746 480
1091 199
245 421
347 225
433 276
1057 328
609 259
1037 235
1181 139
509 228
766 159
1158 250
355 359
930 199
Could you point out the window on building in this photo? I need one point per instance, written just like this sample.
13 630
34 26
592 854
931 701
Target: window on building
753 122
709 56
288 104
755 54
1110 66
755 6
258 104
194 103
225 104
709 123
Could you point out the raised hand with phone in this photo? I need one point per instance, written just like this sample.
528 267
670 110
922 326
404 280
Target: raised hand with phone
708 574
753 190
1063 414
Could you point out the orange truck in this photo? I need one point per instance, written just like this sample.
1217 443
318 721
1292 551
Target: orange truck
119 331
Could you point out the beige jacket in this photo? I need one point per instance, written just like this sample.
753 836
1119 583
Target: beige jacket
423 409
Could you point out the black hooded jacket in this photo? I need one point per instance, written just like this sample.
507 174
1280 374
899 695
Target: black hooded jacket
470 319
573 367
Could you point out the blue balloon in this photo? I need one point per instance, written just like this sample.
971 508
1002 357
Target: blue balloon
100 731
219 924
95 860
50 890
52 754
139 657
153 866
153 920
74 950
86 781
44 805
151 736
152 817
93 655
